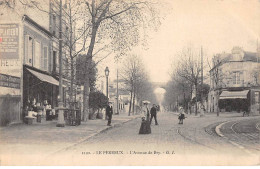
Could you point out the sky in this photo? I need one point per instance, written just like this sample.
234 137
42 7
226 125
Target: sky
215 25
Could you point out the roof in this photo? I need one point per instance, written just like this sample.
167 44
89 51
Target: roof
227 57
32 22
251 56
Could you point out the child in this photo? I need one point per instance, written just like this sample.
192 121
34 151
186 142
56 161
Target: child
181 115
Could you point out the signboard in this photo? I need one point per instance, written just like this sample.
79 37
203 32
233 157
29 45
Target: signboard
9 81
9 41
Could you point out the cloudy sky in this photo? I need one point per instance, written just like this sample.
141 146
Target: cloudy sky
217 25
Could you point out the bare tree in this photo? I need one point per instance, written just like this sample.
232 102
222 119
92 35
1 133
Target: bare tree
131 73
117 24
75 37
178 90
189 68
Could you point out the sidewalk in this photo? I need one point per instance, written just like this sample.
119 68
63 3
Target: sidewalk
45 138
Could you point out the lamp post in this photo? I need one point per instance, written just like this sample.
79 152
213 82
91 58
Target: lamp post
61 122
107 74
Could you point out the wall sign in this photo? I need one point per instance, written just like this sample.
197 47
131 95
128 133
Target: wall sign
9 41
10 81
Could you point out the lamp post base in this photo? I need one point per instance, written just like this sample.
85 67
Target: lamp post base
61 122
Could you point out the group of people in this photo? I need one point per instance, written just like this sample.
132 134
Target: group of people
148 116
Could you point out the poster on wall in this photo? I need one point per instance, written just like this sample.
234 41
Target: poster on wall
9 49
9 41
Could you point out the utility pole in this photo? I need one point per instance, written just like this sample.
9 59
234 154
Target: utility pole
117 106
61 122
257 50
201 75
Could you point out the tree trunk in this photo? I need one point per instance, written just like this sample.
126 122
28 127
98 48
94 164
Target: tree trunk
130 104
88 62
86 100
71 82
134 104
217 103
196 99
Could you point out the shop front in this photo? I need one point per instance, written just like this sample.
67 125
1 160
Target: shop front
40 92
240 101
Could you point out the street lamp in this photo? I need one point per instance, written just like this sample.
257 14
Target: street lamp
107 74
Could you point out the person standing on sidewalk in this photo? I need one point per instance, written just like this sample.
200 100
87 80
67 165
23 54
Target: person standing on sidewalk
109 112
145 124
154 114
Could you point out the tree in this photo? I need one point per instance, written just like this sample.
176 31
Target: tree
97 101
115 25
81 70
75 36
178 90
131 73
189 68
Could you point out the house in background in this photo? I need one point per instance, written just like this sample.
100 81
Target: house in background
235 82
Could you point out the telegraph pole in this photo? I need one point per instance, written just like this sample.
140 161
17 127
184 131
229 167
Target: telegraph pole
117 106
201 75
61 122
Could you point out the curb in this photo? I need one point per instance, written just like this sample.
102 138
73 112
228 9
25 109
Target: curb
94 134
217 129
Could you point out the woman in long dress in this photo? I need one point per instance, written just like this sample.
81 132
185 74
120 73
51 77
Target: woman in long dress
145 125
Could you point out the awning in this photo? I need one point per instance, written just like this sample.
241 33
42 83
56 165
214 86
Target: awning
234 94
44 78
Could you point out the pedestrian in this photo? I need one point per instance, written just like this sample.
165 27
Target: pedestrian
145 124
154 114
109 112
181 116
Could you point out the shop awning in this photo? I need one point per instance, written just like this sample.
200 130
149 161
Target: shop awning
44 78
234 94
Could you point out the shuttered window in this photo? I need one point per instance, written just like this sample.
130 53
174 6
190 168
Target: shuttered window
26 41
45 58
37 58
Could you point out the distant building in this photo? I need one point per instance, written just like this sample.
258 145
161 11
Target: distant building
235 81
123 95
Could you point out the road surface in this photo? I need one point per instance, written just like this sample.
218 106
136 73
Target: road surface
196 142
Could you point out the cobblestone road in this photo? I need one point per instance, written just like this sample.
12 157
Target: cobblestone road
193 143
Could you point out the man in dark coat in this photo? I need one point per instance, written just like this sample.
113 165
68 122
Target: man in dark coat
154 114
109 112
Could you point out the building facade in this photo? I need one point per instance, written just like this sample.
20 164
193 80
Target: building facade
29 60
235 82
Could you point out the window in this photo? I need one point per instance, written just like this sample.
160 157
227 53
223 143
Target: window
54 25
45 58
236 78
37 58
30 51
54 61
